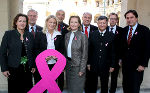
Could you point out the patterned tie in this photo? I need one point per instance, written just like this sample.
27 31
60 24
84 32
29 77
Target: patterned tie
130 35
59 29
33 31
111 29
86 32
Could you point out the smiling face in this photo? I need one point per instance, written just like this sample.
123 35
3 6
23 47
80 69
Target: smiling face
102 24
113 20
74 24
21 23
51 24
60 15
86 19
32 15
131 19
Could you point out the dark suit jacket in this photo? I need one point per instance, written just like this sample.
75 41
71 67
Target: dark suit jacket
117 43
101 51
92 29
63 27
11 47
137 53
39 28
41 43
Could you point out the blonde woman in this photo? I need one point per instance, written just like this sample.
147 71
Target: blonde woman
76 45
50 38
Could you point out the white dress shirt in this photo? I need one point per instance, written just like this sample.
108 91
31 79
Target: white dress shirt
88 29
134 28
102 32
50 43
114 29
70 43
30 29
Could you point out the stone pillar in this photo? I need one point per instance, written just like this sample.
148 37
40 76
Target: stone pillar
8 10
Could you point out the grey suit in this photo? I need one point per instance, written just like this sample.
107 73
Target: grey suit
79 55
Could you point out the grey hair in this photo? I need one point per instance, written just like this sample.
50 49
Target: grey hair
87 13
33 11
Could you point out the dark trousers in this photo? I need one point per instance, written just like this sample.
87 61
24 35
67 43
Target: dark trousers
132 80
88 81
20 80
36 76
60 80
104 77
114 78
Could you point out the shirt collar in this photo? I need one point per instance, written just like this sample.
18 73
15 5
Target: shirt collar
32 26
103 32
134 27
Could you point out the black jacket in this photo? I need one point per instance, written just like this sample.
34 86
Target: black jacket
101 51
137 53
40 43
11 48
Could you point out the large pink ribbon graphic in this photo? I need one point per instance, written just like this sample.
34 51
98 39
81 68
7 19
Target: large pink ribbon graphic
48 77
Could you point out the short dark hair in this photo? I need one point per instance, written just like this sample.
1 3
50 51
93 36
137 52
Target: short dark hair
133 12
16 19
102 18
114 14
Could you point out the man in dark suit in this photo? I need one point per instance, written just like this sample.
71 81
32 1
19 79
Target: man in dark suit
86 24
135 52
62 27
87 29
101 57
34 28
116 30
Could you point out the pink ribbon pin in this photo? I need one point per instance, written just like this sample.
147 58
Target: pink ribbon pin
48 77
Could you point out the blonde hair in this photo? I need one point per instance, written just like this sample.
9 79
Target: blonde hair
49 17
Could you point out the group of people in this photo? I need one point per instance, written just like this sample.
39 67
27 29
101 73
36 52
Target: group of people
90 51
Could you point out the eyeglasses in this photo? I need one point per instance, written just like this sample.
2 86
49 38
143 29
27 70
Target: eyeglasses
113 18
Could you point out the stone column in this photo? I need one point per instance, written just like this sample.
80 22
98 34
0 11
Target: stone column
8 10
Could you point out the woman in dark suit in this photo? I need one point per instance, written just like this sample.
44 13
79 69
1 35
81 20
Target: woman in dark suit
50 38
76 45
16 56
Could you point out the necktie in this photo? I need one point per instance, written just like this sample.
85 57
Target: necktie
59 29
130 35
111 29
86 32
101 34
33 31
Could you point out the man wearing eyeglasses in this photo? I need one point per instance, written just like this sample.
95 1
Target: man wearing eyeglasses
116 30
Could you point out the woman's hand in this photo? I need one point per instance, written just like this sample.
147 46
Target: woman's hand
33 70
80 73
6 74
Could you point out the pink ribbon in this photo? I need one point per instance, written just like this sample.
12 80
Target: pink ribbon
48 77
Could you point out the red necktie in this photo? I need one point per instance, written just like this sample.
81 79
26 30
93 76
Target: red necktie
86 32
130 35
33 31
59 29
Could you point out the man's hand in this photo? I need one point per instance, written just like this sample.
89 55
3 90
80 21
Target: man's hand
6 74
140 68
